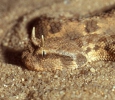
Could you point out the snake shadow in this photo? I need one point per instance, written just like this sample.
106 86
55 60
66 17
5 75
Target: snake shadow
12 57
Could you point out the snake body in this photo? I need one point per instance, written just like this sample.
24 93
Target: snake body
66 47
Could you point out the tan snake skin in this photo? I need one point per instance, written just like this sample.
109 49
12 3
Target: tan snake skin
57 44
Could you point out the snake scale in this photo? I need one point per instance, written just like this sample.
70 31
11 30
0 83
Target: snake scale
58 43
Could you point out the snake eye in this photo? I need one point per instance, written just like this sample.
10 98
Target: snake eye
43 53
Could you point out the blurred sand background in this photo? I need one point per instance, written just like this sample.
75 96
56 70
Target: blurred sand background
19 83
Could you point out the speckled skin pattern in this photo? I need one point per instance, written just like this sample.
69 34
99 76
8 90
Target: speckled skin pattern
65 47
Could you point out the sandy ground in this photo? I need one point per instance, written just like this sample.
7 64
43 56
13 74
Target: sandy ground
96 81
